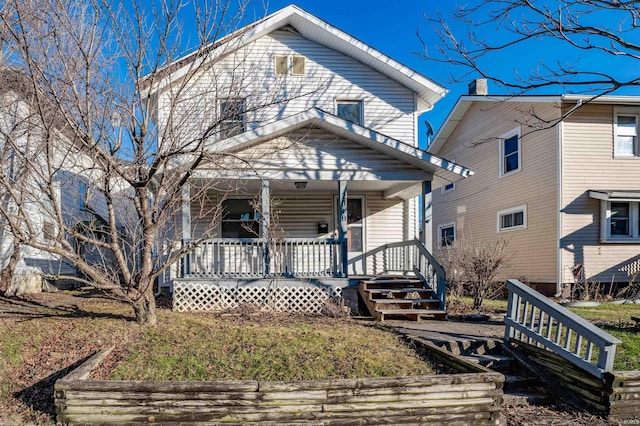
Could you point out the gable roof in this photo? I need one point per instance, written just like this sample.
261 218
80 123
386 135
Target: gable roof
319 31
443 171
463 104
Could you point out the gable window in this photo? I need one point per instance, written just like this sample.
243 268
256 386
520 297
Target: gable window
231 117
625 135
298 65
282 64
512 219
239 220
447 235
510 152
350 110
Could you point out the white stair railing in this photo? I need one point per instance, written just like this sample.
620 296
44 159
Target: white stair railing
534 319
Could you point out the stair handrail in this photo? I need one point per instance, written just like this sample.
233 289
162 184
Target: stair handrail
437 277
554 327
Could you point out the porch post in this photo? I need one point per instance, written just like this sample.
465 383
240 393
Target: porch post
427 226
186 226
342 225
265 201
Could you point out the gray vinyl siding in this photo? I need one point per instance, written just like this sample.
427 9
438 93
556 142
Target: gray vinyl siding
475 202
589 164
389 108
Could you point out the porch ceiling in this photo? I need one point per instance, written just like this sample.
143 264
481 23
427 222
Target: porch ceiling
278 187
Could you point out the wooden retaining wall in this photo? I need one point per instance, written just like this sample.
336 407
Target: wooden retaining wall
617 394
454 399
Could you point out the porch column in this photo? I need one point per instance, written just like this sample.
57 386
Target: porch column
186 225
342 224
265 200
427 226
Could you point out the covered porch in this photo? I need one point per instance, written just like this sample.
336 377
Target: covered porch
324 202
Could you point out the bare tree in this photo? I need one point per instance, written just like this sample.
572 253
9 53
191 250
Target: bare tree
544 44
473 266
103 179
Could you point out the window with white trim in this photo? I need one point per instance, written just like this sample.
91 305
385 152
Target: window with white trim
447 235
298 65
231 117
625 134
448 187
240 220
350 110
281 64
512 219
510 152
621 221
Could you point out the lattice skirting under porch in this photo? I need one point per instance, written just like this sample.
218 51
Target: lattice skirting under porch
208 296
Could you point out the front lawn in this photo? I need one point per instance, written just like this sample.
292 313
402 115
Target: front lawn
39 344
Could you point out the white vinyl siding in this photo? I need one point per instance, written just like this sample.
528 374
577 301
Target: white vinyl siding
329 75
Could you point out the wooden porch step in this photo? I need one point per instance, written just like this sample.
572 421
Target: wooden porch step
398 290
412 314
404 301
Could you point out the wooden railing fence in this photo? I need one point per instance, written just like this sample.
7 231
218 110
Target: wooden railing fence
258 258
534 319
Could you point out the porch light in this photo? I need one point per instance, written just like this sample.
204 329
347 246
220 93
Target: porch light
301 185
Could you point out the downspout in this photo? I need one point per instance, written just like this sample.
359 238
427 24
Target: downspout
559 266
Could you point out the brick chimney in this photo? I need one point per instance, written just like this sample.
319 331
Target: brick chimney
478 87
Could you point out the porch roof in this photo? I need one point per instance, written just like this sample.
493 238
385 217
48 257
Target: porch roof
442 170
615 195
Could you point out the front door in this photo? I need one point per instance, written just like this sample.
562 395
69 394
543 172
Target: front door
355 234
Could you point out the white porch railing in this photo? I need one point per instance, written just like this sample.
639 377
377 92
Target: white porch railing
255 258
408 257
534 319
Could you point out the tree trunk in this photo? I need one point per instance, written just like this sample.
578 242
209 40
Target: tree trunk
7 273
145 308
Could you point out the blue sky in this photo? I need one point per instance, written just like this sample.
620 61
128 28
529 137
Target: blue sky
391 26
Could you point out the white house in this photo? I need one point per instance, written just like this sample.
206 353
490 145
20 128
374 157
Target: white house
321 122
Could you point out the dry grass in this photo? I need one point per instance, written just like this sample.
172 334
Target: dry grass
40 343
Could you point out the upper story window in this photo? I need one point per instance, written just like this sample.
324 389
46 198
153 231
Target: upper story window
512 219
82 196
231 117
350 110
625 135
510 152
447 235
448 187
298 65
240 220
